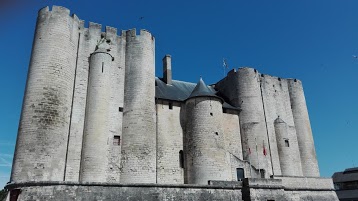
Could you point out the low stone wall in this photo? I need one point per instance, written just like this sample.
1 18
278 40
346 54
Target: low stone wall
251 189
306 183
65 191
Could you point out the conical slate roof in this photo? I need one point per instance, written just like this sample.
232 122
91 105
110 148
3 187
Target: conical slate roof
279 120
202 90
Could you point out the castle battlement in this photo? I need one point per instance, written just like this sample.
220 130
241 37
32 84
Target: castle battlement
97 124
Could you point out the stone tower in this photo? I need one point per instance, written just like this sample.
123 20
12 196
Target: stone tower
303 128
41 149
95 154
206 158
139 122
252 118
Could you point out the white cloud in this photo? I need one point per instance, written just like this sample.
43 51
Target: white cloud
5 160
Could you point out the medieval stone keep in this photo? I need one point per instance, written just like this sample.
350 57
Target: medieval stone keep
97 124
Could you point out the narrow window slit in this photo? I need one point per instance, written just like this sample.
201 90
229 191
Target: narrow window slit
102 66
287 143
181 159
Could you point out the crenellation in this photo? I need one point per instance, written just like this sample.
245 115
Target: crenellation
60 10
95 116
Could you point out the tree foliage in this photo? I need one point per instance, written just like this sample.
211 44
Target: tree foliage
3 193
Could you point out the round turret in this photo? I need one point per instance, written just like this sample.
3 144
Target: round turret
204 145
95 151
303 129
44 126
252 120
285 151
139 121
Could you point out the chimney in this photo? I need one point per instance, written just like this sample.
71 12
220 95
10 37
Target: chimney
167 69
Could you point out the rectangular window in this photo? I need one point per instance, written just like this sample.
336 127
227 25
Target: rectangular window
102 66
120 109
116 140
240 174
170 106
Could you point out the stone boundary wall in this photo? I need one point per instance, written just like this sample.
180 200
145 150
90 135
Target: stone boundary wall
306 183
281 189
109 191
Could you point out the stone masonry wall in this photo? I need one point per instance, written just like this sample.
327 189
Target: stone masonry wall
169 143
107 192
232 137
276 101
89 38
118 46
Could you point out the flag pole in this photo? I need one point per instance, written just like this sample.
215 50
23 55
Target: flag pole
225 66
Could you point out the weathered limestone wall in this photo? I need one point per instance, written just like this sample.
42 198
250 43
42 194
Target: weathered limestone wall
118 47
307 183
262 190
303 129
95 153
89 38
286 157
139 126
169 143
249 170
276 101
232 137
289 189
252 119
205 154
44 126
308 188
103 191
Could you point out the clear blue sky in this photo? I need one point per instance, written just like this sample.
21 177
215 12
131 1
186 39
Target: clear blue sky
310 40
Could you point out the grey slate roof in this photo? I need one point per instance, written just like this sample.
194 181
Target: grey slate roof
350 174
201 89
347 194
180 91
